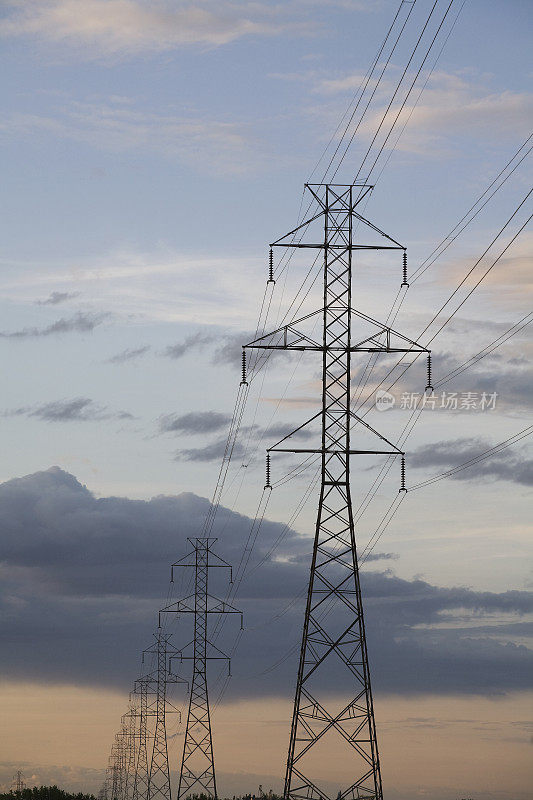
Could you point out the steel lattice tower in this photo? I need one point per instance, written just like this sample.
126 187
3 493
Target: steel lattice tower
140 783
18 781
159 776
130 723
198 765
159 772
334 651
118 766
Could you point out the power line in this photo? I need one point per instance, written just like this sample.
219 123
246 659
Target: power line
462 282
450 238
413 53
496 449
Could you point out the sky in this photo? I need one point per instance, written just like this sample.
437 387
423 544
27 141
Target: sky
151 151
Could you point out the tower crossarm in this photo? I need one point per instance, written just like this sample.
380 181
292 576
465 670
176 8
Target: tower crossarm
394 450
189 560
383 340
344 202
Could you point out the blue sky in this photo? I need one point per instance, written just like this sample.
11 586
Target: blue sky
150 153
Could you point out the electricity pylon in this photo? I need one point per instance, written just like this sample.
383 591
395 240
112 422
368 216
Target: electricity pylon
118 765
18 781
142 771
129 722
198 764
325 732
159 772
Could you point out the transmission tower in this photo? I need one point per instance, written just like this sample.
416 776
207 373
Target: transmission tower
118 765
334 651
129 722
142 772
18 783
158 785
198 766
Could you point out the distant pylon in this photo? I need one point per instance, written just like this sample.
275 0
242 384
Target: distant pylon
142 771
198 764
118 766
18 781
129 721
329 732
159 776
159 772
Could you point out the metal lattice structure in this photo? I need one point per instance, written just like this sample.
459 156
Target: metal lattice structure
159 775
158 783
129 721
197 773
18 784
118 765
334 651
142 771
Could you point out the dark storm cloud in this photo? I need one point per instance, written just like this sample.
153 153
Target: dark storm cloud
194 342
129 354
80 323
194 422
506 465
57 297
79 409
82 579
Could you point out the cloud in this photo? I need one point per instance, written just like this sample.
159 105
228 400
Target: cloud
505 373
162 285
217 146
450 106
506 465
381 557
227 351
130 354
510 283
82 579
57 297
279 431
80 409
194 422
213 422
211 452
190 343
80 323
126 27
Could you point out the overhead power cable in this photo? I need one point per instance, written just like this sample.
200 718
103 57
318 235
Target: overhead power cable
404 73
482 278
488 349
360 93
462 282
469 216
492 451
376 86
